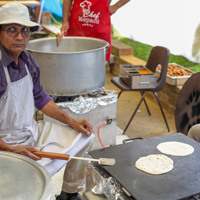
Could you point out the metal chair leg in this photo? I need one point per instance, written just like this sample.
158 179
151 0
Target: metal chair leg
163 114
146 105
142 98
144 102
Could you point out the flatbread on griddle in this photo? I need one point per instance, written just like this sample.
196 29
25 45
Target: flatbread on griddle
175 148
155 164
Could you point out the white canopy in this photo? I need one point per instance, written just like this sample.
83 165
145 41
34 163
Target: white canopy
169 23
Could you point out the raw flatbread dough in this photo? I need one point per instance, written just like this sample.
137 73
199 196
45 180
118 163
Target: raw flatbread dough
155 164
175 148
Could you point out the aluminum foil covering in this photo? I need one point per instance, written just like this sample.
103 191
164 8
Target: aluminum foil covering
84 104
100 182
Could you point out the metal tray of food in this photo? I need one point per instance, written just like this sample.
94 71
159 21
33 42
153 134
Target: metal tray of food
23 178
180 76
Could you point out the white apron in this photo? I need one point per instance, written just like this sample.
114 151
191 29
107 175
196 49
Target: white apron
18 127
16 111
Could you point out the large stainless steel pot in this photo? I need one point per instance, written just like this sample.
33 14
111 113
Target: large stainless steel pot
77 66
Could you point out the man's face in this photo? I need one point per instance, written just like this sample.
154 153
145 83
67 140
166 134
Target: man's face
14 43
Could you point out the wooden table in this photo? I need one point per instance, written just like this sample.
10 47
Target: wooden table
27 3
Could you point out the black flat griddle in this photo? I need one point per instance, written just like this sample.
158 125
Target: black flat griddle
183 181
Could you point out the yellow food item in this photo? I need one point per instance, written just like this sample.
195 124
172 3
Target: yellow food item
145 71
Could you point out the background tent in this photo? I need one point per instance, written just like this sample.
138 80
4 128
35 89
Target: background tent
53 6
169 23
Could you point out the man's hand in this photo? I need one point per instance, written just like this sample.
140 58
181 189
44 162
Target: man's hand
53 111
25 150
64 28
82 125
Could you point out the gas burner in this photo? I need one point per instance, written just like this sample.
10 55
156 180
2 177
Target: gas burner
97 93
60 99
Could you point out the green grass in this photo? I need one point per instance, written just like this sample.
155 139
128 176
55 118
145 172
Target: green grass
142 51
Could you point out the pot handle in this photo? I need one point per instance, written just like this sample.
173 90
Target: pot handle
107 47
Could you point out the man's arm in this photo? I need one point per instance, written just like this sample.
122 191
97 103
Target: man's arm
53 111
117 5
4 146
21 149
67 5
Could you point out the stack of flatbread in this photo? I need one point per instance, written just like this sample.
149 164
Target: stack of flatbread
158 163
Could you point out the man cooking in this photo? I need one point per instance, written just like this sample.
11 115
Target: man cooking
21 92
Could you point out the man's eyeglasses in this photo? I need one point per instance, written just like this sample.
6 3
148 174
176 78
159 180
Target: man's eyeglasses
12 32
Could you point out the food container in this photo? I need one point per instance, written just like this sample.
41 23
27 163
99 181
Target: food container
76 67
176 80
137 76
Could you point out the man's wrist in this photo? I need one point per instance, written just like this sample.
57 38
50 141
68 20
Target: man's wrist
6 147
